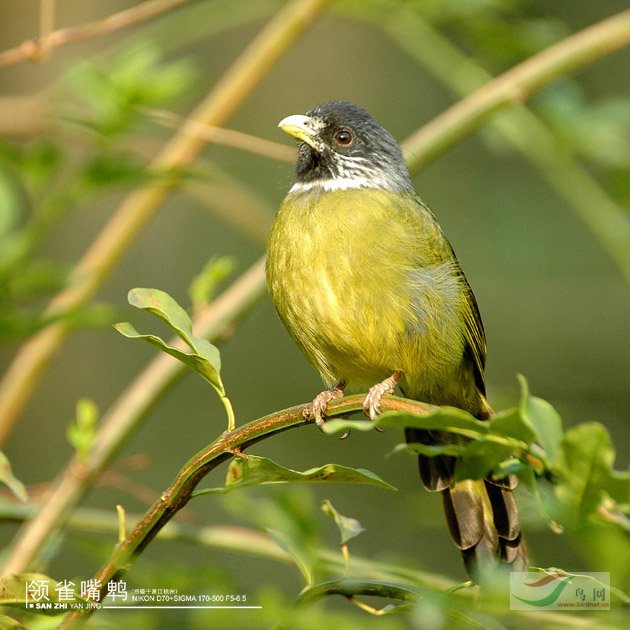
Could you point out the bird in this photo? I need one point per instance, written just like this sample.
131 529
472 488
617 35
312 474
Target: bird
367 285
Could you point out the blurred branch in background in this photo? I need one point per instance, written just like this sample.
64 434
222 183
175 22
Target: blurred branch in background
484 95
46 24
138 208
34 49
225 137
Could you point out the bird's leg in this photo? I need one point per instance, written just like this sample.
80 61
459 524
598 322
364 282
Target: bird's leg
372 402
321 401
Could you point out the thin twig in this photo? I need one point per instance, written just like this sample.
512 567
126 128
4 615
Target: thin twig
138 208
33 49
225 137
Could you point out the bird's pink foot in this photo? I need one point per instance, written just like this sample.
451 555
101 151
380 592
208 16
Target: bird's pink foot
372 402
320 403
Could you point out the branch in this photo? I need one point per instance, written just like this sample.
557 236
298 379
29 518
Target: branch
34 49
515 86
219 451
138 208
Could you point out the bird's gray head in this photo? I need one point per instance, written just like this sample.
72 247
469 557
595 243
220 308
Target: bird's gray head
342 147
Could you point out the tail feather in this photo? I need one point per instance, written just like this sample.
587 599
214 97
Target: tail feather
504 509
482 515
483 521
464 512
436 472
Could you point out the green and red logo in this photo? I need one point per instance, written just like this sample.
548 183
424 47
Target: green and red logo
556 590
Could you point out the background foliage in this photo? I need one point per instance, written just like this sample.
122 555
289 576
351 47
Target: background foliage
78 132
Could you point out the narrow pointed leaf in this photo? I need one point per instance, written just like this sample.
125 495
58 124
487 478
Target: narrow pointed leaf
337 425
348 527
252 470
433 450
443 418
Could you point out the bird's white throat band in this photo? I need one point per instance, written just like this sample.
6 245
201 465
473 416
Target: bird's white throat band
341 183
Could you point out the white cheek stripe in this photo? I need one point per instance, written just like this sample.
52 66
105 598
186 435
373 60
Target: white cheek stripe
342 183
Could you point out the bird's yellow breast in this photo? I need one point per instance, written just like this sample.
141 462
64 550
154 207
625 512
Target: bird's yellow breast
365 283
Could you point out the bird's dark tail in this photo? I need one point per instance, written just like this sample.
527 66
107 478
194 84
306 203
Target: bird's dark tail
482 515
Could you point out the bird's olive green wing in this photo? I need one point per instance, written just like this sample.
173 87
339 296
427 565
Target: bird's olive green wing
475 335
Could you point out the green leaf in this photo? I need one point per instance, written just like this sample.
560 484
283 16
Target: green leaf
302 558
479 459
204 284
348 527
11 482
251 470
337 425
204 358
543 419
166 308
584 470
511 424
432 450
35 277
445 418
115 169
199 363
81 433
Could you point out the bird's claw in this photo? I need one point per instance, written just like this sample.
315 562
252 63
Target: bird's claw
320 404
372 402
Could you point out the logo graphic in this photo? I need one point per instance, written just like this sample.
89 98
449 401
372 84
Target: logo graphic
557 590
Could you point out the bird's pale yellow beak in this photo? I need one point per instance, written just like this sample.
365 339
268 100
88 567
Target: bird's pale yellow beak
300 127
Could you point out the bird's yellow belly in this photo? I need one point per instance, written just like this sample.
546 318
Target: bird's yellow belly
357 302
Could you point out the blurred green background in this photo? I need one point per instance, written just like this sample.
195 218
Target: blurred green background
555 307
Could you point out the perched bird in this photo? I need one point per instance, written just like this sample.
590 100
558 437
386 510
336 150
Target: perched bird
369 287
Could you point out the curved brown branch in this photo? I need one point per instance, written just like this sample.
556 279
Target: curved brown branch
221 450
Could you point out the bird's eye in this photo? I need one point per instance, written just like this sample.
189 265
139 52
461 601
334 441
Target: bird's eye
343 137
